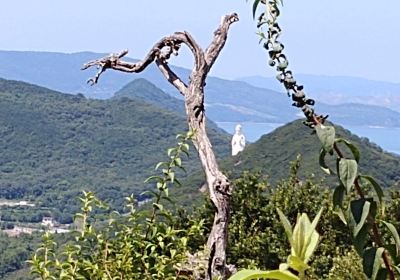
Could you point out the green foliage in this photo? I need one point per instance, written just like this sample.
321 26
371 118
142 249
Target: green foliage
303 241
52 145
347 266
256 236
273 152
257 274
14 251
124 248
361 213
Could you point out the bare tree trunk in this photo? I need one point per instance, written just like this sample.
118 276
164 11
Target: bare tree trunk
219 187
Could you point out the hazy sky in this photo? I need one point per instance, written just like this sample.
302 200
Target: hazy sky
341 37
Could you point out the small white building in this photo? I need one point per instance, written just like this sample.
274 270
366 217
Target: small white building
48 222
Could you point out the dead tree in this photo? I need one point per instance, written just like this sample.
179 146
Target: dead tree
219 187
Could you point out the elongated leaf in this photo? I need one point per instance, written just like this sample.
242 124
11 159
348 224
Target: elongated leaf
255 5
313 237
359 210
305 239
338 196
341 215
316 220
372 262
160 164
347 171
395 236
376 186
322 163
397 269
256 274
326 135
337 199
354 150
157 178
286 225
360 240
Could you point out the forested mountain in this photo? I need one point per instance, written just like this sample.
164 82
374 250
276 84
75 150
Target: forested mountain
54 145
226 100
146 91
274 151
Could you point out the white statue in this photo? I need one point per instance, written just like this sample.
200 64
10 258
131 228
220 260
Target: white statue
238 140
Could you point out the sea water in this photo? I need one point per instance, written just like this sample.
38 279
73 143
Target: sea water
386 137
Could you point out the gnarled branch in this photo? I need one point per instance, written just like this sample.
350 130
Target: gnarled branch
220 36
219 186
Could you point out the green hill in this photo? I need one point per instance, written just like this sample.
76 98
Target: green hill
273 153
53 145
146 91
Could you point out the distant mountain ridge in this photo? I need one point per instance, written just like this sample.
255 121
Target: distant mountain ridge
226 100
339 89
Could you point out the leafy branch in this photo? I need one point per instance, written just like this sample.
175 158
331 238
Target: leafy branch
123 248
360 214
303 240
168 177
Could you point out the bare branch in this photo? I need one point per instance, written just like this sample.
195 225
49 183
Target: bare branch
103 64
161 51
219 186
171 76
220 36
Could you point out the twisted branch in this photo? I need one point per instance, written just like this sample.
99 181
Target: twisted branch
219 185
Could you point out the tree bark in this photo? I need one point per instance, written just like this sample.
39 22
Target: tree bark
219 186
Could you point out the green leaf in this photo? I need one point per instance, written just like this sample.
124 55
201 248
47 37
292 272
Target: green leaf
326 135
157 178
359 211
178 162
282 66
316 220
160 164
337 199
397 269
304 239
323 164
347 170
170 150
255 5
158 206
256 274
338 196
376 186
395 236
360 240
286 225
354 150
297 264
372 262
171 175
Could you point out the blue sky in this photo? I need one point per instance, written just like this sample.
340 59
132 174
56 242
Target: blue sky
341 37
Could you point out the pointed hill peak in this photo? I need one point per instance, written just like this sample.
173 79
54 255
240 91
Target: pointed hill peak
139 87
146 91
